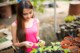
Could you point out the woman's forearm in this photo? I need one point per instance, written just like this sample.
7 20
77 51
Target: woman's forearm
18 44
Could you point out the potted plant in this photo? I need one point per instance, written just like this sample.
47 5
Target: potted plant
69 19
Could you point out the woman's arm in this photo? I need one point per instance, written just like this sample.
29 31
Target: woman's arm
14 38
39 40
38 23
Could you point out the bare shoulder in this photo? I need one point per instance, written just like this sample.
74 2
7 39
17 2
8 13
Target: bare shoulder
13 29
13 24
37 20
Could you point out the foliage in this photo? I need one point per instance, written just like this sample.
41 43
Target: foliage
69 18
3 40
38 5
54 47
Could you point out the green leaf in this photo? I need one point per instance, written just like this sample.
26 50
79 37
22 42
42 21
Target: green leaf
56 47
3 40
48 48
66 50
34 51
57 42
38 5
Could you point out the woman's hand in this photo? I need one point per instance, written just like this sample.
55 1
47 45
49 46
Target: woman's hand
27 44
41 42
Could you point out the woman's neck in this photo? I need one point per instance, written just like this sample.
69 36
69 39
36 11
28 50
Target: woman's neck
29 23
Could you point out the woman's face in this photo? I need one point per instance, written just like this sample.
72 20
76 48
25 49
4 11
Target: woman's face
27 13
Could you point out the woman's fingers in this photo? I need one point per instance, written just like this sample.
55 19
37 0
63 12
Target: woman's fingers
28 44
42 42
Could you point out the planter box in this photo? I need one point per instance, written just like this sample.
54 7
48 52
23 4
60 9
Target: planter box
74 9
5 11
8 51
1 1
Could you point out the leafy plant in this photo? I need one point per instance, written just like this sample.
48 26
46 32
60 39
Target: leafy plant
39 48
69 18
38 5
54 48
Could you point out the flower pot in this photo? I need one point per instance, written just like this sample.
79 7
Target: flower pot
73 49
70 38
5 11
74 9
65 44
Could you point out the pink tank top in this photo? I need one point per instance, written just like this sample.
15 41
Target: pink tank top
31 35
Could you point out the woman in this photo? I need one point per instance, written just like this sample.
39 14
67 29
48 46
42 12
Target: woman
26 28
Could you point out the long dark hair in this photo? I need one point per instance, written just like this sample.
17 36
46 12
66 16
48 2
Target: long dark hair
20 19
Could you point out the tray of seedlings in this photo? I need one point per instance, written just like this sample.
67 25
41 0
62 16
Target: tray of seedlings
55 47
